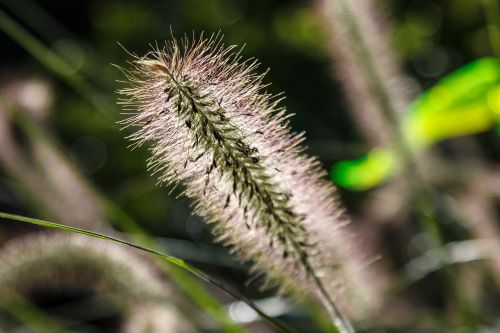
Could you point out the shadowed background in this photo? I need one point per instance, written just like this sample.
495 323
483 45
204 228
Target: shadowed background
64 158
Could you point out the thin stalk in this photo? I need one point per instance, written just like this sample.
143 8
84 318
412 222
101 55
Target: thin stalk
342 324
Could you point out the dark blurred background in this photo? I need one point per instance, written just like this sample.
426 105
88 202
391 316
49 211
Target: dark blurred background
74 106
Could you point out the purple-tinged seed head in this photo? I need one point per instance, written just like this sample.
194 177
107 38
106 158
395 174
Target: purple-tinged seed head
213 129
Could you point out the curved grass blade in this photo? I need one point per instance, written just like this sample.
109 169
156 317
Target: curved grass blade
173 260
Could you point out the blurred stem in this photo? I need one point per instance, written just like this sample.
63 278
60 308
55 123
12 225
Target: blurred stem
453 284
38 18
315 311
425 208
33 317
54 63
492 16
342 324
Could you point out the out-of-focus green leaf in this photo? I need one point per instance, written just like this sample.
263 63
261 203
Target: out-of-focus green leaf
465 102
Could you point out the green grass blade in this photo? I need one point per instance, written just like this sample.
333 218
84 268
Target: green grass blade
175 261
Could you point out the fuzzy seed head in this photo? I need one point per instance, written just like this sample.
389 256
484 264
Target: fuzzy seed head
213 129
48 263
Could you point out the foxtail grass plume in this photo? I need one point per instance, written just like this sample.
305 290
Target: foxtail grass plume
366 66
45 176
214 130
122 282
